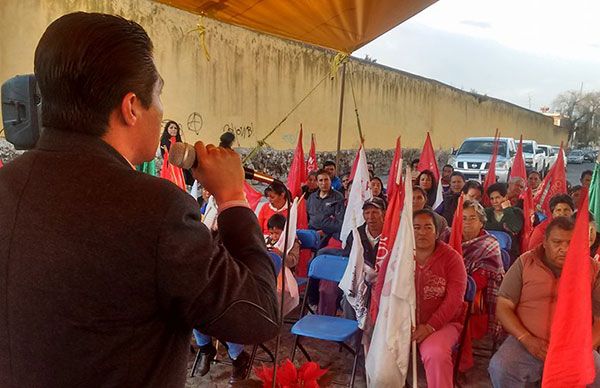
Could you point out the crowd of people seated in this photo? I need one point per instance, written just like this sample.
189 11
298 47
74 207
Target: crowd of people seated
507 308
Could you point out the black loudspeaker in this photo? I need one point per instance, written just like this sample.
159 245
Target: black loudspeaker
22 111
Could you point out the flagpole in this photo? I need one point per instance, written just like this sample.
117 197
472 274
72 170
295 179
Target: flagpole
414 364
339 135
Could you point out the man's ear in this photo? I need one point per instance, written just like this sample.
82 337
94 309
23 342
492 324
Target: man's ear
129 109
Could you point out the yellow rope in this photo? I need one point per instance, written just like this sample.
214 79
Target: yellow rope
201 30
362 139
335 65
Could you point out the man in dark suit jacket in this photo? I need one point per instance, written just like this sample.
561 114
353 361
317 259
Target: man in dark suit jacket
104 271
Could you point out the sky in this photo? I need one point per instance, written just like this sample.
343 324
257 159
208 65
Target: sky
522 51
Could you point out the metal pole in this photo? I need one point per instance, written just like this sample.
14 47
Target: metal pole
339 137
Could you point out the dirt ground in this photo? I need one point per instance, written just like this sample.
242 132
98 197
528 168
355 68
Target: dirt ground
327 355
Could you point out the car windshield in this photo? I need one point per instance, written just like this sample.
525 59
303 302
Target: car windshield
576 153
528 148
481 147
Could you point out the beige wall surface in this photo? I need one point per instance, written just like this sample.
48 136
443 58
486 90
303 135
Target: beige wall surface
253 80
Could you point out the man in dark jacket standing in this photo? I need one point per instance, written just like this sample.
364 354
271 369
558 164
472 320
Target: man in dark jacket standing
105 270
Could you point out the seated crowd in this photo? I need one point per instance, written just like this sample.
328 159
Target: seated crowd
516 285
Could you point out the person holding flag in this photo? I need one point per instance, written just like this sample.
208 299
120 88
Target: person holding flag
546 335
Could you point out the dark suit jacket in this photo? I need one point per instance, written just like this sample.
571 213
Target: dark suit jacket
104 271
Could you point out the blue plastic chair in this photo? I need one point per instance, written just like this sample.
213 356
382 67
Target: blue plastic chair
503 238
324 327
505 259
469 298
309 239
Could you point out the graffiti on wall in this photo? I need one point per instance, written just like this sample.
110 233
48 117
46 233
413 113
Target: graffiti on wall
240 131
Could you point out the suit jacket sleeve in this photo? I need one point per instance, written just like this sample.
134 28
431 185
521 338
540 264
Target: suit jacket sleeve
226 290
333 224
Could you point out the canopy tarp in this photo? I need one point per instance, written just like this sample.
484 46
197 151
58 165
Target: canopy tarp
342 25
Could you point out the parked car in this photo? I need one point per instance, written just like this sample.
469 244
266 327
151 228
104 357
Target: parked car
534 156
590 155
473 157
555 151
550 157
575 156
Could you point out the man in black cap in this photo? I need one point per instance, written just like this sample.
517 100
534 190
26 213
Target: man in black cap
370 232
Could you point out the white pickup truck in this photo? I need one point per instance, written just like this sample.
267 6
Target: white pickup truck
473 157
534 156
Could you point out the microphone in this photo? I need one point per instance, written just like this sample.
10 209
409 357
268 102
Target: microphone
184 155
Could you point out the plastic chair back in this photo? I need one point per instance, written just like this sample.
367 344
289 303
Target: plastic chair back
503 238
277 261
309 239
471 289
328 267
505 259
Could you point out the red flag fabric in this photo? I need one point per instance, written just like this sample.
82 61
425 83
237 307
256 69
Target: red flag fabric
427 159
252 195
569 361
386 243
311 162
554 183
170 172
297 175
355 163
395 168
518 167
490 177
457 227
302 222
1 164
528 211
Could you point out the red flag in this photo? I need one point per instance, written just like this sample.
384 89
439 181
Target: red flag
528 211
427 159
252 195
457 227
311 162
1 164
490 177
297 175
302 222
170 172
569 362
554 183
518 167
355 163
386 243
395 168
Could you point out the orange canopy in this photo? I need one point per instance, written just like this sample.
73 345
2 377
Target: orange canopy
343 25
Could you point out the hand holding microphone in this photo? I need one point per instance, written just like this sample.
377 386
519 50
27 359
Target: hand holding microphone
218 169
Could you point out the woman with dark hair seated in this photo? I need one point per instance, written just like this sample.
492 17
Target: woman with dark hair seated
450 201
504 217
426 180
275 193
377 188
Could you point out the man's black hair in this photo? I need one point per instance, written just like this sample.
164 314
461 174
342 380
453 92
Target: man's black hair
472 184
85 63
329 163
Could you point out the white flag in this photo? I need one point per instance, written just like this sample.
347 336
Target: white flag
389 353
439 195
293 220
210 214
359 193
194 190
353 282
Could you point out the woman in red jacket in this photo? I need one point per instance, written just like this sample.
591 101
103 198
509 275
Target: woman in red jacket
275 193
